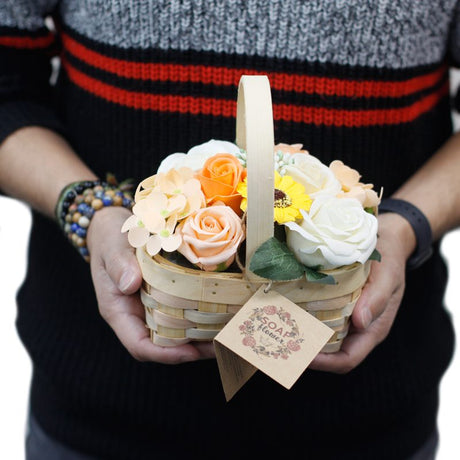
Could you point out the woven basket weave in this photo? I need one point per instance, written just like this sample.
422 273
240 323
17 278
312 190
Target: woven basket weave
184 304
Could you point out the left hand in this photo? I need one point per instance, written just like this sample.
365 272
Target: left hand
117 279
376 309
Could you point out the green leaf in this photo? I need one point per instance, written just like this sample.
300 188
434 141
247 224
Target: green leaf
221 267
375 256
315 276
274 260
370 210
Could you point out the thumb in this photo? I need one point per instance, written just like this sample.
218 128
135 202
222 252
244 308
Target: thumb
123 269
129 281
113 251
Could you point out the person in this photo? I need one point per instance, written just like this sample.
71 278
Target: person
364 82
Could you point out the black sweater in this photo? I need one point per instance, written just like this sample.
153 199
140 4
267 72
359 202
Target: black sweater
361 81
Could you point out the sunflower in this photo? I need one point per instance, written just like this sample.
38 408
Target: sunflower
289 198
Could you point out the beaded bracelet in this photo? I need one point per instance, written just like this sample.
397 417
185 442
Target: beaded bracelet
79 201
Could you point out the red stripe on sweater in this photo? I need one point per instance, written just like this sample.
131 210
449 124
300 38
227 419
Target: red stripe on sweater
227 108
27 42
230 77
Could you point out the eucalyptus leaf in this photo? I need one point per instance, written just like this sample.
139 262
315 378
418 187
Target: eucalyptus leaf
274 260
375 256
315 276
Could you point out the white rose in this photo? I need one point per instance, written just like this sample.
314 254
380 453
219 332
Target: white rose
335 232
315 176
196 156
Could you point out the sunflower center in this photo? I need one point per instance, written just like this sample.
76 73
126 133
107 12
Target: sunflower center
281 199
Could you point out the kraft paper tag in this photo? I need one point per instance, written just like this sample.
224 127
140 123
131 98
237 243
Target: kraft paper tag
269 333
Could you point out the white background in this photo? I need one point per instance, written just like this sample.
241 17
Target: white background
15 364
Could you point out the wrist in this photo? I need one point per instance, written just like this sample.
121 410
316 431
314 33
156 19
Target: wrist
106 218
79 202
414 230
400 232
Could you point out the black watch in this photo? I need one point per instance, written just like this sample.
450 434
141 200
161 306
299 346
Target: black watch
420 225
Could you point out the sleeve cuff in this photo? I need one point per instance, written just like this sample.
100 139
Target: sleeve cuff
19 114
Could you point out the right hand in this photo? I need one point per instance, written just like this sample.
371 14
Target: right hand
117 279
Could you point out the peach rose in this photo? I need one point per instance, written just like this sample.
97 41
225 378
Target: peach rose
211 237
219 179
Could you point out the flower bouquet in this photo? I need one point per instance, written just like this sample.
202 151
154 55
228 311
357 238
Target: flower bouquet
192 226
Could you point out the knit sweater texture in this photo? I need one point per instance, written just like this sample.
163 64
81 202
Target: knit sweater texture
363 81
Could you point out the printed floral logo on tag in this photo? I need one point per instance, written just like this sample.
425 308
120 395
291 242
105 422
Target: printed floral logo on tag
271 332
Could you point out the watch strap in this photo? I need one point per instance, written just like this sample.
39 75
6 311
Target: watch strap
420 225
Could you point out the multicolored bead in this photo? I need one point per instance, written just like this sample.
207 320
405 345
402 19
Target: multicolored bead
78 203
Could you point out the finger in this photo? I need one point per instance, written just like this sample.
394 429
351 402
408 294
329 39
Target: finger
356 346
379 288
122 267
129 327
111 251
206 349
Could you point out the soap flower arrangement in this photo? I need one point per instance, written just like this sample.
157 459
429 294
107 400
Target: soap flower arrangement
195 204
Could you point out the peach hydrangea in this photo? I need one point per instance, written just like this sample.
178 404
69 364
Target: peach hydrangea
352 187
289 148
161 201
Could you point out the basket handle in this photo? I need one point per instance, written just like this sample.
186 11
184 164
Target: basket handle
254 133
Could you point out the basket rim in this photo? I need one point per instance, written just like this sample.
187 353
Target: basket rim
235 288
223 274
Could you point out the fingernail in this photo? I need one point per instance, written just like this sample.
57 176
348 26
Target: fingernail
125 281
366 318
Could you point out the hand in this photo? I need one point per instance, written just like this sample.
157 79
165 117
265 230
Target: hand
379 302
117 279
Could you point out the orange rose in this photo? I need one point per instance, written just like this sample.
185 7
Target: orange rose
211 237
219 179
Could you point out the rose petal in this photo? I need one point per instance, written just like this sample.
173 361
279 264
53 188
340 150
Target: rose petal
212 147
212 187
171 161
233 201
197 155
220 257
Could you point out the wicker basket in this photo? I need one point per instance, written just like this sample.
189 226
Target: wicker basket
184 304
